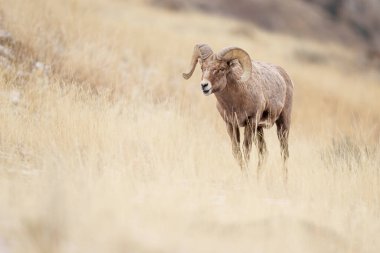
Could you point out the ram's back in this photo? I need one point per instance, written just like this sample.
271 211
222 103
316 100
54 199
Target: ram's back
269 79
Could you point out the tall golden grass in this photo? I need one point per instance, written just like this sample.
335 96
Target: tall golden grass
112 151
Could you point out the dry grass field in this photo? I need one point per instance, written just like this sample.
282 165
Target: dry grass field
105 148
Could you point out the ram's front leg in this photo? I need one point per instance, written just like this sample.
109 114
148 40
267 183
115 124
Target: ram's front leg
254 133
234 133
249 136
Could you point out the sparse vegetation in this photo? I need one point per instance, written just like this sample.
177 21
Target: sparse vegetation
99 151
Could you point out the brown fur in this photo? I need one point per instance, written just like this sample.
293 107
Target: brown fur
260 102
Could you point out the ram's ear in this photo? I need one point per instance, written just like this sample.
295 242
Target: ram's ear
232 63
232 53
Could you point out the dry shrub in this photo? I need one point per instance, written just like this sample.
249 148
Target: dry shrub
347 154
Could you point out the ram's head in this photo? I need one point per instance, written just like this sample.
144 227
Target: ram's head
215 67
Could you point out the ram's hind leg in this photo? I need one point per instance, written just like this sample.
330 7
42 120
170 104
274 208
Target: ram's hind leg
283 136
234 133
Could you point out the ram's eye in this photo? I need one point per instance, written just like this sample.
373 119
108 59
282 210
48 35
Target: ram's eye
220 71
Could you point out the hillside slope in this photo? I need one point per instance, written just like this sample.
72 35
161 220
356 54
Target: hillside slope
104 147
354 22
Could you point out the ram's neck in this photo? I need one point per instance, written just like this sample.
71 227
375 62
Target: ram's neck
232 97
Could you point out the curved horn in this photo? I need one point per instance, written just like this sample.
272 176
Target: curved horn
231 53
202 51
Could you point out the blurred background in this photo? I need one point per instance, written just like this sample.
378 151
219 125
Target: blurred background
353 23
104 147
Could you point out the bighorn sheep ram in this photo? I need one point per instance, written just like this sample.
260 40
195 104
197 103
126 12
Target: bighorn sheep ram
249 94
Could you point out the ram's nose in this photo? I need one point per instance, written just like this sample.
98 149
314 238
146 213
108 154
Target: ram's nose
204 85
